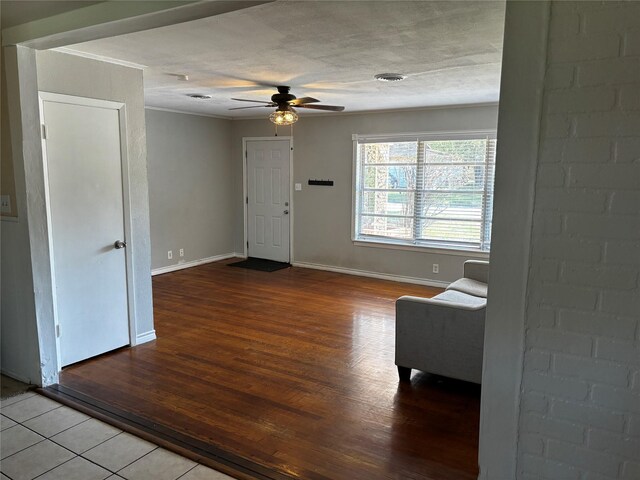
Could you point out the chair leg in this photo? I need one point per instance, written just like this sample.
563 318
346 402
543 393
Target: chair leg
404 373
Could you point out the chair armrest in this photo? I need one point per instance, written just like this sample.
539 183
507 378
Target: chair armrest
442 304
477 270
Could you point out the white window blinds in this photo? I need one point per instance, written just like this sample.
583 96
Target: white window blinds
430 190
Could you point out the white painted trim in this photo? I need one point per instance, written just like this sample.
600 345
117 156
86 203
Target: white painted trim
355 192
100 58
182 112
435 134
193 263
354 186
126 205
145 337
15 376
366 273
77 100
459 252
245 140
45 168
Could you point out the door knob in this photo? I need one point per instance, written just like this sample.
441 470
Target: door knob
286 212
119 244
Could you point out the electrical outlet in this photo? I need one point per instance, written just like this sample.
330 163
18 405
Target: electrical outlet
169 254
5 204
182 252
436 268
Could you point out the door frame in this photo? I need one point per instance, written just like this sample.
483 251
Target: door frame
126 204
245 189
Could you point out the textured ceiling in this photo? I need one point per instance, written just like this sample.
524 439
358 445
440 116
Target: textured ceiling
451 52
17 12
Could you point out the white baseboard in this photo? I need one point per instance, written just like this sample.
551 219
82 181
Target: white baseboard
15 376
366 273
194 263
145 337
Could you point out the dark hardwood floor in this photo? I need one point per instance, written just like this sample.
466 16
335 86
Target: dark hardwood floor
293 370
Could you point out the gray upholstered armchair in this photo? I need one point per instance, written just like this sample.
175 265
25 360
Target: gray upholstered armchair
444 335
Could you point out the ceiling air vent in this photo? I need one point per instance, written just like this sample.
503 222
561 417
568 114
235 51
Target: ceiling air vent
390 77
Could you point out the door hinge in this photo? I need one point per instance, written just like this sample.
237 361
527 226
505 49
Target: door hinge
247 243
58 331
44 131
247 200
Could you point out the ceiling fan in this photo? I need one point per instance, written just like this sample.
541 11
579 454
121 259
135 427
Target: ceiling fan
285 102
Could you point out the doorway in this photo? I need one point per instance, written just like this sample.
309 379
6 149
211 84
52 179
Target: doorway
267 185
85 173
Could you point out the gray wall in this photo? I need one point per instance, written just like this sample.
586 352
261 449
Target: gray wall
323 148
191 196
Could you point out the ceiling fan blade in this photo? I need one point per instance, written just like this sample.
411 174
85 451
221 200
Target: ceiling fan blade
300 101
252 101
333 108
252 106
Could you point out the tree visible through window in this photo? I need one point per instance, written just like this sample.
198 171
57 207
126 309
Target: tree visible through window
430 191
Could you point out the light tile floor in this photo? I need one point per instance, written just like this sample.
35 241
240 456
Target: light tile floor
43 439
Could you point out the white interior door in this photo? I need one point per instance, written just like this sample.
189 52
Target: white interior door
86 215
268 199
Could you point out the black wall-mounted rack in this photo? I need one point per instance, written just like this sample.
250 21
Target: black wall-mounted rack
327 183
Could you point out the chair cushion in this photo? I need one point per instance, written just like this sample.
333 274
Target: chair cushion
469 286
460 298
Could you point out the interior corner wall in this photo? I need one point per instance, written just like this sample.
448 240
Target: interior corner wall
72 75
19 350
323 148
7 177
523 70
191 196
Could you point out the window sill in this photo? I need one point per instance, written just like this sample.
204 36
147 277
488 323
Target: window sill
456 251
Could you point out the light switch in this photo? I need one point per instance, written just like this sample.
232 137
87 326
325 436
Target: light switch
298 187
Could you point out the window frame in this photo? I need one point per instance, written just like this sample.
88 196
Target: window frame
398 244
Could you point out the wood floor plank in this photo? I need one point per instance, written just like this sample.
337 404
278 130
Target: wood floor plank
293 370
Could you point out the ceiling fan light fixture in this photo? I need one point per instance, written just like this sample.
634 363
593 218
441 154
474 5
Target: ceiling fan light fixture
283 117
390 77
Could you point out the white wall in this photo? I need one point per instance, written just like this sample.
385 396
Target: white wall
323 148
523 73
581 381
577 412
191 193
71 75
19 351
26 249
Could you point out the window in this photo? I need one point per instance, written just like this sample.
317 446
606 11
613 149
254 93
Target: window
425 190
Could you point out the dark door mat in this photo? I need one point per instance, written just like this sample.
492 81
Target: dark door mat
260 264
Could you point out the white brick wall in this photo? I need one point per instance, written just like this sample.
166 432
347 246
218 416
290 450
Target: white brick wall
580 410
